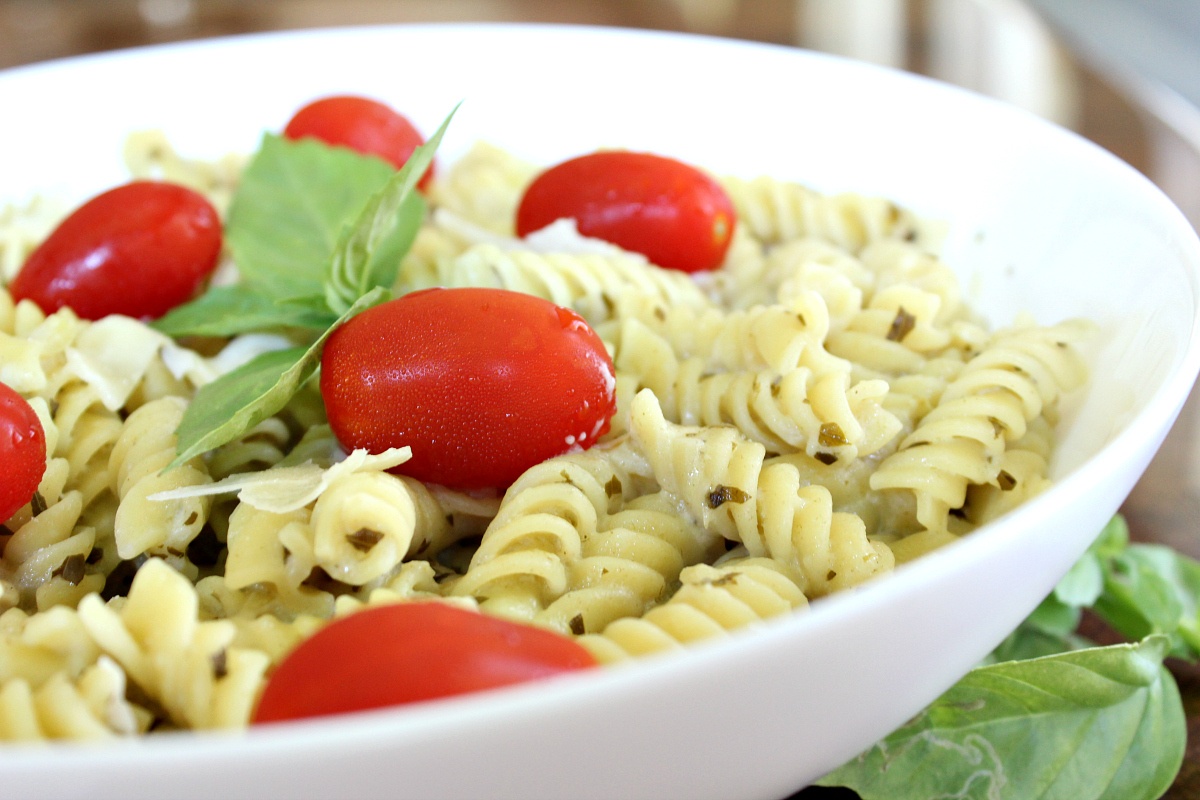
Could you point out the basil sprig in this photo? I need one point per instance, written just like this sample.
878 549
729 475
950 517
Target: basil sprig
1050 715
317 234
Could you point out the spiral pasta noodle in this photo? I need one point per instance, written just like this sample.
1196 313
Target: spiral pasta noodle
711 602
723 481
523 560
628 565
142 451
589 283
780 211
961 441
823 407
187 666
789 411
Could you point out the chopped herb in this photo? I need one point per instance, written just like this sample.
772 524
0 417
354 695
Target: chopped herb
831 435
364 539
720 495
614 488
72 569
902 325
220 663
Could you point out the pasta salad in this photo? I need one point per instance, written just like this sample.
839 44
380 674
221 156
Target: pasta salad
795 418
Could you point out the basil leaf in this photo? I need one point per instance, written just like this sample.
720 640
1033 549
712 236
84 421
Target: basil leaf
1083 584
1032 641
237 401
1055 617
229 310
1113 538
292 204
368 253
1152 588
1099 724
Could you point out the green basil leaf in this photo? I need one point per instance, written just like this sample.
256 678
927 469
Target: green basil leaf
1113 538
1083 584
1055 617
368 253
1034 641
237 401
1152 588
1099 724
293 202
230 310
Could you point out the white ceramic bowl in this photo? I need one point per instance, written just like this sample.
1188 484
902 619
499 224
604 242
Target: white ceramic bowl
1040 221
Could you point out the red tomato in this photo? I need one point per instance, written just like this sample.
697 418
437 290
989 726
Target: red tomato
407 652
363 125
668 211
22 452
139 249
481 383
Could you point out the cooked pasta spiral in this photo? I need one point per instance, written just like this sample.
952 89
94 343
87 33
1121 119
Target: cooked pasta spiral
55 684
762 337
962 440
779 211
589 283
628 564
722 481
523 560
786 412
139 457
711 602
484 187
188 667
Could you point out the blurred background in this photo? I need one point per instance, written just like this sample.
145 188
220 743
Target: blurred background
1123 73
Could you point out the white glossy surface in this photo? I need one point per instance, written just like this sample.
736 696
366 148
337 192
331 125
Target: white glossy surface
1040 221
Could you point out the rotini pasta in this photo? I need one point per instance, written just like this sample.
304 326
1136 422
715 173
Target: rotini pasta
821 408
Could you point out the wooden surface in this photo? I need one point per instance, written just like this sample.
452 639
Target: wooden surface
966 43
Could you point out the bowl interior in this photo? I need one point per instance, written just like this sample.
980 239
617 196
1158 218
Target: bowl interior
1039 222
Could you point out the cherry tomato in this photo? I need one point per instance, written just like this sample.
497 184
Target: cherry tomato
139 249
668 211
408 652
22 452
481 383
364 125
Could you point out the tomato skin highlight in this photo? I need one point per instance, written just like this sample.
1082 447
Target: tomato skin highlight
22 451
409 652
361 124
670 212
139 249
481 383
